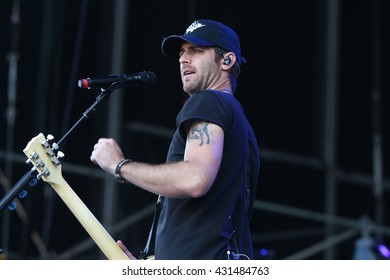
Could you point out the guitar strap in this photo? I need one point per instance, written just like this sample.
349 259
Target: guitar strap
144 253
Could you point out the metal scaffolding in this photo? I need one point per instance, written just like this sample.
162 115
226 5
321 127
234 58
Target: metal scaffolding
327 164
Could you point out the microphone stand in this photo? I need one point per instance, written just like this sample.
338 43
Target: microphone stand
11 195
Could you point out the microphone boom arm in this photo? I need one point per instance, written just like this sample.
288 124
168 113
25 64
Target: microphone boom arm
14 191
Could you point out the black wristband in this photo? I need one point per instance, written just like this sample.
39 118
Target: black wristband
118 175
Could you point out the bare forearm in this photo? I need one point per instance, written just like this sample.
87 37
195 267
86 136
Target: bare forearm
178 180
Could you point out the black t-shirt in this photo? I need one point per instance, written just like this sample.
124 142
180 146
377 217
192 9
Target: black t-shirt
208 226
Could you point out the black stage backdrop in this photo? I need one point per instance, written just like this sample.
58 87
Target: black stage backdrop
314 89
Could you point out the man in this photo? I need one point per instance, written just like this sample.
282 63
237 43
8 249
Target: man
208 183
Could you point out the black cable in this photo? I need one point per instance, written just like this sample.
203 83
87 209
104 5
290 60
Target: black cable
144 253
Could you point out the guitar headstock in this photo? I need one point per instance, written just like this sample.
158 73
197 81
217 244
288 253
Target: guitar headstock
45 157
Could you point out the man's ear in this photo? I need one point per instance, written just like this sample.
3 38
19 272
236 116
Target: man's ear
228 60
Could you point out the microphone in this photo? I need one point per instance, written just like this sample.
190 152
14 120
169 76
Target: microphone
144 78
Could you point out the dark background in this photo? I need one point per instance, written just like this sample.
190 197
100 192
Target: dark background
314 89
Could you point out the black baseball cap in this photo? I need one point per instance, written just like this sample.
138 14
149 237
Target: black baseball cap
206 33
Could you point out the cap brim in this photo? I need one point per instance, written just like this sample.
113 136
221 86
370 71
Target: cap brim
170 46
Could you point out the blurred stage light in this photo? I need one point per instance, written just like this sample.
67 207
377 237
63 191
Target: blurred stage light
367 248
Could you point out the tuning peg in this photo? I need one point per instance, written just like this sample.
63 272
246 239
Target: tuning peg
48 141
33 156
50 152
60 154
45 172
54 145
12 206
55 160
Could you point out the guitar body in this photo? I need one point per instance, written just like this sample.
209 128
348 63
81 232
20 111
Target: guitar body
44 158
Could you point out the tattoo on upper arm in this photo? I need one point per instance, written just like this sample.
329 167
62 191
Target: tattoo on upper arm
200 132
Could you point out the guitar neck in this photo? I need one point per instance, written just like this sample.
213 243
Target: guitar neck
42 156
98 233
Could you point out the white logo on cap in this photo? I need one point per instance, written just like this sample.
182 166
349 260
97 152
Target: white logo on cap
195 25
